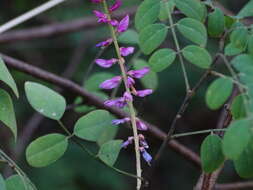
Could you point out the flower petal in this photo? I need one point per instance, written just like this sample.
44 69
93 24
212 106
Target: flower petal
123 24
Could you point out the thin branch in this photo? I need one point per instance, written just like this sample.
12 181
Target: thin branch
235 186
30 14
57 28
95 101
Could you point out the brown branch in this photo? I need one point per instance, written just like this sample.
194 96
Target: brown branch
235 186
95 101
57 28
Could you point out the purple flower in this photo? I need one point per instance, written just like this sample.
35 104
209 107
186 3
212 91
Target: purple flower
146 156
125 51
130 82
128 97
143 142
140 125
102 17
138 73
119 102
111 83
120 121
143 93
115 6
105 43
126 143
106 63
114 22
96 1
123 24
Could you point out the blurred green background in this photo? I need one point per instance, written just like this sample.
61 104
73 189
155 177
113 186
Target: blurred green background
76 170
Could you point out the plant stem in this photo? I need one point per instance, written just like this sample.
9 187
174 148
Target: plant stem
187 85
196 133
130 103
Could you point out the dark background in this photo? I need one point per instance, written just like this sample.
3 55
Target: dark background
76 170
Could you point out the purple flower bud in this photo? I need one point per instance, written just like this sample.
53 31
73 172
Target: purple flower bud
123 24
146 156
138 73
120 121
119 102
106 63
126 143
130 82
143 142
111 83
143 93
140 125
125 51
105 43
128 97
102 17
115 6
114 22
96 1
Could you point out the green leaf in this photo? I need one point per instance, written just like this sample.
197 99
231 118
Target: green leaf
2 183
211 153
167 8
15 182
250 44
229 21
216 23
7 114
44 100
243 63
92 125
244 164
192 8
108 134
92 84
162 59
109 151
146 14
231 50
46 150
151 79
193 30
246 11
236 138
6 77
151 37
129 37
197 56
218 92
237 108
239 38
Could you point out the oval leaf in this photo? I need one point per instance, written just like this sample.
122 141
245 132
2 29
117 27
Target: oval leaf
246 11
7 114
147 13
109 151
150 80
197 56
244 164
162 59
15 182
215 100
129 37
192 8
167 8
46 150
216 23
2 183
6 77
91 126
193 30
45 101
237 108
239 38
151 37
211 153
236 139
